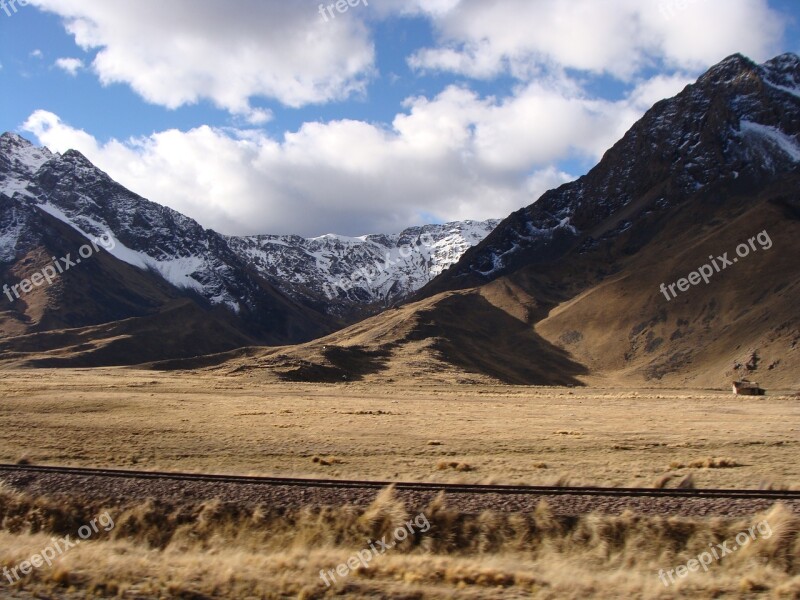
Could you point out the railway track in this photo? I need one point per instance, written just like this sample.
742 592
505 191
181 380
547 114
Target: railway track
449 488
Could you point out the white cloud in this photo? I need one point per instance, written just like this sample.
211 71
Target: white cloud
455 156
258 116
37 54
185 51
182 51
70 65
485 39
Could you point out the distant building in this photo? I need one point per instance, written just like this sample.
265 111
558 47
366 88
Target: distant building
747 388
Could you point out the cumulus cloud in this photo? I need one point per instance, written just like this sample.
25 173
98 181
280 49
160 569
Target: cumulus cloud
182 51
69 65
455 156
484 39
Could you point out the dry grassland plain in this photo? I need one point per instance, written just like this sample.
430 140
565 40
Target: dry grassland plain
206 423
197 422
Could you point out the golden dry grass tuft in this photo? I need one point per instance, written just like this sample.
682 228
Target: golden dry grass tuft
707 463
326 462
461 467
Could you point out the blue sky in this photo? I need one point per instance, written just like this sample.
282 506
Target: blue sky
258 116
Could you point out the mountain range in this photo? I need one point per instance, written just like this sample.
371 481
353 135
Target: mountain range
567 290
349 277
169 288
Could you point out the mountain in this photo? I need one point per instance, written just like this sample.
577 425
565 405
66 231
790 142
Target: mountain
698 175
735 129
350 277
219 292
571 289
50 205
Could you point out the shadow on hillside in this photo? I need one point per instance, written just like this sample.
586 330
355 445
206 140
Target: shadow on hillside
348 364
473 334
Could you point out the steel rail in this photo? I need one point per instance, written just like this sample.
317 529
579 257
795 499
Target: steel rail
455 488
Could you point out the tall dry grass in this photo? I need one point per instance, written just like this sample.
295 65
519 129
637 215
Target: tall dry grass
218 550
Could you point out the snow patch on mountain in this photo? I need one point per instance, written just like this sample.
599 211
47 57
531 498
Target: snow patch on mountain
497 258
787 144
27 158
794 91
178 271
9 239
781 73
19 161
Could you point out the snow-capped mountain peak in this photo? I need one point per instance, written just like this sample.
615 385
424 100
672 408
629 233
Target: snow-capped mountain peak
348 273
22 154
